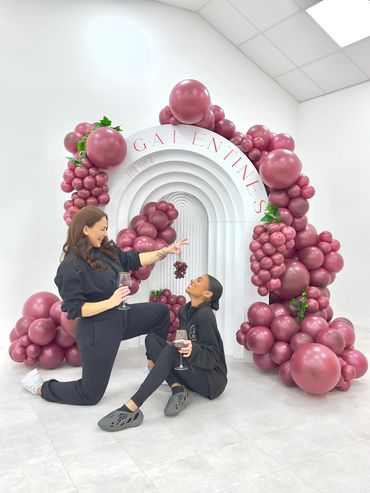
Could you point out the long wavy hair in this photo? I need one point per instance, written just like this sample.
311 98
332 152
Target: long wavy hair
78 242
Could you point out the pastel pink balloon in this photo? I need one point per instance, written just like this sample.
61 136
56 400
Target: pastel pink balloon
69 326
299 339
285 375
84 128
280 352
264 362
294 280
313 324
51 356
225 127
284 327
259 313
282 141
315 368
33 350
348 372
38 305
24 341
72 356
106 147
260 339
357 359
18 353
331 338
189 101
42 331
280 168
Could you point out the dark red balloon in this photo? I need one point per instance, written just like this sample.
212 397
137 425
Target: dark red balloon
72 356
38 305
51 356
294 280
42 331
280 168
189 101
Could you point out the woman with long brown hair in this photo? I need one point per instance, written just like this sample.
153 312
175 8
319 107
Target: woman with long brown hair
87 280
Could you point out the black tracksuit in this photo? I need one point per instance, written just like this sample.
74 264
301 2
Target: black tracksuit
98 337
206 374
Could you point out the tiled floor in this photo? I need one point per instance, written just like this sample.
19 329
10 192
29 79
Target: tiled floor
259 436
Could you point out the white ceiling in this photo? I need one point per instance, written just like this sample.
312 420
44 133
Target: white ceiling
286 43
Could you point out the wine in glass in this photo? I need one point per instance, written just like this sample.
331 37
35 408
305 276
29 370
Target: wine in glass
124 279
180 336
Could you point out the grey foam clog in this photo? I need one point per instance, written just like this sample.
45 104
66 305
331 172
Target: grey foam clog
120 420
177 403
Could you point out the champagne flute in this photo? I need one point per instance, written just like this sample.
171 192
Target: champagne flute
180 334
124 279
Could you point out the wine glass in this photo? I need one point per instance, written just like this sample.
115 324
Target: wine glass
124 279
180 334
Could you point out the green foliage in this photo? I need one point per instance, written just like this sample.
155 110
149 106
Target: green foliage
156 292
301 304
271 214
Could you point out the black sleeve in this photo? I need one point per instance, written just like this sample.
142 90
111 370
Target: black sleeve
129 260
70 290
206 351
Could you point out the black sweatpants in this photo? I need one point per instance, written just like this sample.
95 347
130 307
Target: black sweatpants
98 340
166 358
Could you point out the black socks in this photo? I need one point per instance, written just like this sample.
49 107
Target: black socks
177 389
125 408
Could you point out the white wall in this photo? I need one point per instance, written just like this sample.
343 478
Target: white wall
333 142
69 61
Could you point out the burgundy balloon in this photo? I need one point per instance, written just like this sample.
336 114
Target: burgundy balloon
172 213
343 319
147 229
298 206
333 262
22 325
189 101
311 257
280 168
285 216
69 326
42 331
168 234
159 219
331 338
63 339
260 339
357 359
33 350
313 324
299 223
72 356
218 112
51 356
285 375
346 330
181 300
280 352
70 141
278 309
260 131
143 244
299 339
165 115
106 147
127 232
320 277
307 237
264 362
208 121
142 273
225 127
284 327
160 243
139 219
240 338
259 313
315 368
55 312
135 284
294 280
38 305
282 141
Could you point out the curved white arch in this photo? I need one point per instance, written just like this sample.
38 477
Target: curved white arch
191 162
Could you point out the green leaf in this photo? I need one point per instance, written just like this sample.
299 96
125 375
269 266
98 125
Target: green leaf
294 302
302 305
271 214
105 122
117 129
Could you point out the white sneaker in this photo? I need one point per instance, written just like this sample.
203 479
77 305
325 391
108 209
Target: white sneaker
146 372
32 381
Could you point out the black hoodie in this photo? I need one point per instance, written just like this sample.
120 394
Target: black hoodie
208 349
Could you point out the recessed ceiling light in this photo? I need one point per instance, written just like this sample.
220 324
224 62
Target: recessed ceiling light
346 21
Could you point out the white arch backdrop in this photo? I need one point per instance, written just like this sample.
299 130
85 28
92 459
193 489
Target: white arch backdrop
220 197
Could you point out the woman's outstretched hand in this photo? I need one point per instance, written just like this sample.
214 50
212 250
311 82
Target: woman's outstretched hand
177 247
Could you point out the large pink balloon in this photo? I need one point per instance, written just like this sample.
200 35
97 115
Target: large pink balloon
168 234
357 359
38 305
315 368
280 168
69 326
159 219
72 356
333 262
284 327
320 277
143 244
260 339
51 356
259 313
106 147
147 229
295 278
306 238
189 101
42 331
282 141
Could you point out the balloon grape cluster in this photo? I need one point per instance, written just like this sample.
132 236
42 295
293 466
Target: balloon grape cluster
43 336
314 354
180 269
148 231
174 302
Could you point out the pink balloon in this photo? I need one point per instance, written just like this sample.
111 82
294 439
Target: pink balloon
348 372
18 354
285 216
33 350
294 280
172 213
160 243
331 338
72 356
142 273
285 375
299 223
282 141
240 338
320 277
259 313
70 141
260 132
218 112
315 368
22 326
341 319
284 327
280 352
189 101
42 331
346 330
181 300
260 339
278 309
135 284
168 234
225 127
13 336
24 341
69 326
106 147
208 121
139 219
127 232
51 356
159 219
56 312
279 198
311 257
298 206
30 362
333 262
143 244
147 229
357 359
264 362
299 339
280 168
148 208
38 305
63 339
165 115
306 238
313 324
84 128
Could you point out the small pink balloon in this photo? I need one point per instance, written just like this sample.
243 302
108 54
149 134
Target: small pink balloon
357 359
284 327
33 350
311 257
165 115
278 309
51 356
159 219
72 356
299 339
313 324
285 375
282 141
306 238
42 331
225 127
280 352
218 112
56 312
13 336
147 229
70 141
168 234
260 339
298 206
333 262
299 223
240 337
208 121
320 277
260 132
30 362
135 284
259 313
348 372
279 198
331 338
69 326
63 339
264 362
84 128
22 326
18 353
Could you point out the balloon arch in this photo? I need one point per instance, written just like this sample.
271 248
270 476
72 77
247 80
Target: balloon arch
291 263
